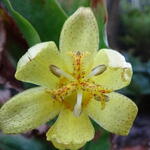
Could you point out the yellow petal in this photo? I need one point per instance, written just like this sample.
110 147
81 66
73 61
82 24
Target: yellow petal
117 116
70 132
34 65
68 146
118 73
27 111
80 32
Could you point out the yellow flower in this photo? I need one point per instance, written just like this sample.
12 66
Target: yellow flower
77 83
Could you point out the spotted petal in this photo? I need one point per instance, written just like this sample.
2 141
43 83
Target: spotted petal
34 65
118 73
117 116
80 32
27 111
70 132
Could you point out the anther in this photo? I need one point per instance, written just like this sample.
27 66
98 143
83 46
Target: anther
97 71
58 72
55 70
106 98
102 97
78 53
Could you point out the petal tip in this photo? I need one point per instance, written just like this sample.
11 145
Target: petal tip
81 27
84 10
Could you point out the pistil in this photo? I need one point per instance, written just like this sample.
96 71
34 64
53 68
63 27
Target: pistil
78 106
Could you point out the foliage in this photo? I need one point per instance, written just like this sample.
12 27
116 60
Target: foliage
71 6
19 142
137 32
135 35
26 28
47 21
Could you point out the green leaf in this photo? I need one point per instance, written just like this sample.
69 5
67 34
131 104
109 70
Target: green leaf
45 15
28 31
100 11
72 6
18 142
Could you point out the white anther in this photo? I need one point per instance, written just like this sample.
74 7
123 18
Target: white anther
78 106
106 98
58 72
97 71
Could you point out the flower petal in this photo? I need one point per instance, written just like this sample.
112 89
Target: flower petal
117 116
34 65
68 146
118 73
27 111
80 32
70 132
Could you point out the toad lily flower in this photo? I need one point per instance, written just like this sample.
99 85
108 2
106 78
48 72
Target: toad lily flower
77 83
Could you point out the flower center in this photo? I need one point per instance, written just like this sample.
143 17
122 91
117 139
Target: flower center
76 89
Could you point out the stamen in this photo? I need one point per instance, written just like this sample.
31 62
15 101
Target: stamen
106 98
58 72
103 99
62 92
78 106
78 53
97 71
